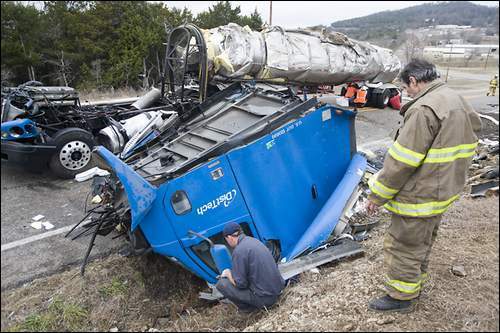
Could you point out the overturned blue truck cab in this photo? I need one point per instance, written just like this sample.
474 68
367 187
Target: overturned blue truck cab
285 169
240 145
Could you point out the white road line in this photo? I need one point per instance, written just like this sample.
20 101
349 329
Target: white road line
35 238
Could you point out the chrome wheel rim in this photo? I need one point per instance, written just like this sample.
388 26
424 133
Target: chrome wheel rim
75 155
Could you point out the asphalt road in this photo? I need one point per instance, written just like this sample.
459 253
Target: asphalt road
25 195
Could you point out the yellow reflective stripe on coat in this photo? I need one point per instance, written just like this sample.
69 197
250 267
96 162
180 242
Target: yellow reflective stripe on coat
424 209
404 287
380 189
405 155
444 155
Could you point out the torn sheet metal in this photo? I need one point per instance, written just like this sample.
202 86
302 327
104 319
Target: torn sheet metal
480 190
484 170
493 120
220 166
300 56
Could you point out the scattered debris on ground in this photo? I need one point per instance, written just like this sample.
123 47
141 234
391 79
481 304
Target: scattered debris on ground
489 118
150 293
483 174
37 218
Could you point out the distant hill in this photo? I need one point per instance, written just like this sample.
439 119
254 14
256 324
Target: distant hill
390 24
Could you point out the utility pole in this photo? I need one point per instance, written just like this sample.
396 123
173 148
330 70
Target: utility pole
270 13
489 51
448 68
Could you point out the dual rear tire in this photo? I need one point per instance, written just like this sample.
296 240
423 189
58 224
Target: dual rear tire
73 152
381 100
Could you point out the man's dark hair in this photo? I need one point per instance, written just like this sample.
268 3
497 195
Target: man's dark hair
420 69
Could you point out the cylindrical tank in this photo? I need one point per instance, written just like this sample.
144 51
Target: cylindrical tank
112 138
148 99
300 56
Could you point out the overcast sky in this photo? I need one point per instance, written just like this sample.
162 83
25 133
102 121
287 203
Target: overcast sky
295 14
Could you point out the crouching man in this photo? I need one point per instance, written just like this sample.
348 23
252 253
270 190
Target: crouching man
254 282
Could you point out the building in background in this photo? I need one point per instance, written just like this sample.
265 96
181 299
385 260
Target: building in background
461 51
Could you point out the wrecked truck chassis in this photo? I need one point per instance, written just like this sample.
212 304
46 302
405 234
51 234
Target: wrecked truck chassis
48 127
285 175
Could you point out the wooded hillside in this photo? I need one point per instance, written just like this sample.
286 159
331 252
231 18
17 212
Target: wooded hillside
391 24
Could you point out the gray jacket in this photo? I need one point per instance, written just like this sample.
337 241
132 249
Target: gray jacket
254 268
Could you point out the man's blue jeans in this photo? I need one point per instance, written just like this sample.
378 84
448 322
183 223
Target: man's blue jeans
245 299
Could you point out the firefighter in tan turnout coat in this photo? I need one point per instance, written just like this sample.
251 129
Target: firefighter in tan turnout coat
493 86
423 173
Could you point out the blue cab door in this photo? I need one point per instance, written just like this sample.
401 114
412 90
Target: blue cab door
203 201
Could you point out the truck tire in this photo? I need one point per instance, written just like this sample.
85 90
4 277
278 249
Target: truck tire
382 99
73 153
343 91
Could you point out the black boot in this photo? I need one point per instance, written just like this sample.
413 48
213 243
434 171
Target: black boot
389 304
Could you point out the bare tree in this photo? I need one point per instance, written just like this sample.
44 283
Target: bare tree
63 69
31 70
97 72
467 59
63 72
158 64
7 75
413 46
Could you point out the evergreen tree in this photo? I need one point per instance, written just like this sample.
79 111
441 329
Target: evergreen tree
254 21
97 44
221 13
21 41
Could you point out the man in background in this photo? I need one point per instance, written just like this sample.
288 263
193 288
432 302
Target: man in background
493 86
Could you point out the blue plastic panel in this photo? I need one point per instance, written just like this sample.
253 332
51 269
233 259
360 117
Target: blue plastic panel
328 217
221 256
19 129
140 193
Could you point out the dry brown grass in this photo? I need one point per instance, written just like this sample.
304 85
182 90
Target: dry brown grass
142 290
99 95
337 300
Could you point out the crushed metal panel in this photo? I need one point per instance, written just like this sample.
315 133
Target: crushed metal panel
346 249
